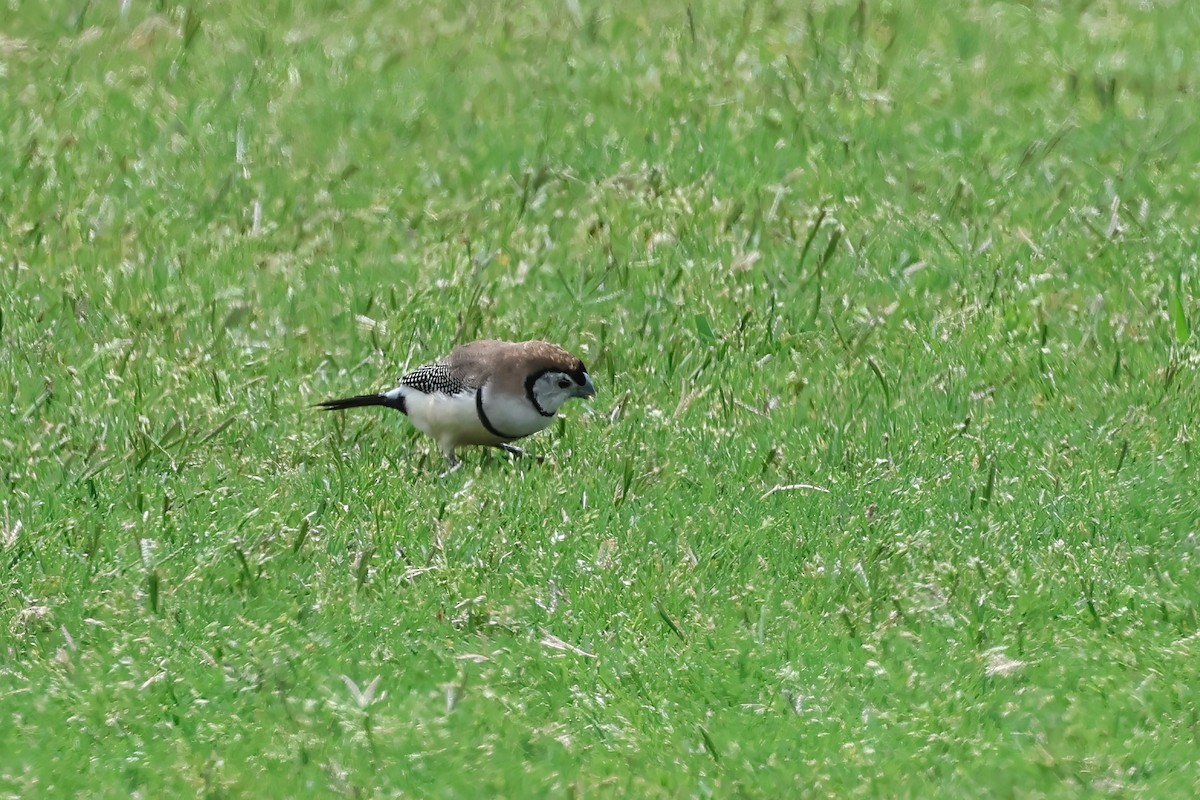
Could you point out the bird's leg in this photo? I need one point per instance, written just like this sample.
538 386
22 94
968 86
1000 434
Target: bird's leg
453 461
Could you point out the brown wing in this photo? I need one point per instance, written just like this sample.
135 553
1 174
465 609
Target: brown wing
474 362
478 362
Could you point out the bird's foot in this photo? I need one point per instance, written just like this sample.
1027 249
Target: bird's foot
517 452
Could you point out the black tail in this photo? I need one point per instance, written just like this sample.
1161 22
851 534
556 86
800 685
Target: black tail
364 400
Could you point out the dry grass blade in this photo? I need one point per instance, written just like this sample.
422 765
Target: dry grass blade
794 487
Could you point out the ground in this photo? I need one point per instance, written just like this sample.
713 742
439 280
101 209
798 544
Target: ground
890 487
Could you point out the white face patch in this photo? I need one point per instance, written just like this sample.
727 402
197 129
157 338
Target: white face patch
553 389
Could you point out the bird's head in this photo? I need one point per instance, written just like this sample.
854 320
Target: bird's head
556 380
550 389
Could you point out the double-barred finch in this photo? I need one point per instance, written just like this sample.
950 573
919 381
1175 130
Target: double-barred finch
487 392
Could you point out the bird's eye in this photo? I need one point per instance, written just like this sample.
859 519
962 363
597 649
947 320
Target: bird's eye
563 383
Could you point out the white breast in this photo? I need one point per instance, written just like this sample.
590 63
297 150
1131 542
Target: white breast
513 415
450 419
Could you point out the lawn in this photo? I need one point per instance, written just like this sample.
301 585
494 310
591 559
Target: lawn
890 489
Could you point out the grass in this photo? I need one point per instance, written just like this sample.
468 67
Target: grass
890 489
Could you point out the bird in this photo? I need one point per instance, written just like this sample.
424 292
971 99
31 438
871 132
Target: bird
487 392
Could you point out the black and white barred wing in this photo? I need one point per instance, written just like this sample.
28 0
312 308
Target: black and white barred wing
435 378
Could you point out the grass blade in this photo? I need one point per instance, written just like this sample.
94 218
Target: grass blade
1183 329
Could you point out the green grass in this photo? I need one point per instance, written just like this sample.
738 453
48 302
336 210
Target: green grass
935 263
